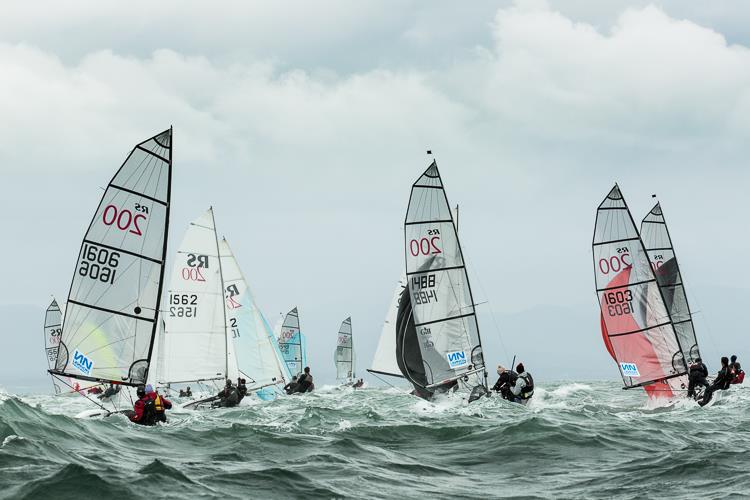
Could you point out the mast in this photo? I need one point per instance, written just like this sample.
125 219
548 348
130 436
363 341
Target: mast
223 294
636 325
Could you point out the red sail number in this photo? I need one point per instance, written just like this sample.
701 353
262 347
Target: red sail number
123 219
425 246
615 263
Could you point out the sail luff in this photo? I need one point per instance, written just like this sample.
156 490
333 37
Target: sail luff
163 254
223 294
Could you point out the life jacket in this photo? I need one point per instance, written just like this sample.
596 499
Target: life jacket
739 377
149 412
528 389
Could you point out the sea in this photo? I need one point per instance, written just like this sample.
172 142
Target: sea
574 440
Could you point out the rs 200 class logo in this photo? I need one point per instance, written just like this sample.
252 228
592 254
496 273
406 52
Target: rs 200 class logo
457 359
629 370
82 362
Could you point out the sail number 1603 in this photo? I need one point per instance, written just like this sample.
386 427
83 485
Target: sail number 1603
619 302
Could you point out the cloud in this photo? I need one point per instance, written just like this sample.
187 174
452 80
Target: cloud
310 165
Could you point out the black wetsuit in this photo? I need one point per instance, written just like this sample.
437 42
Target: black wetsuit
229 397
305 383
721 383
291 387
696 377
506 380
242 391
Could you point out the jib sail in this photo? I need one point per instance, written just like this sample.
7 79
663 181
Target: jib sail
636 325
292 343
655 236
344 355
195 343
445 327
257 353
113 304
384 362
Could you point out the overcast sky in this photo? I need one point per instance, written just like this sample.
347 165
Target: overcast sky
305 123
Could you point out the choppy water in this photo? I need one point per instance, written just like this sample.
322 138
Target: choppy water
576 440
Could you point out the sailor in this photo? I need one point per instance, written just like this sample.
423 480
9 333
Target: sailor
182 393
241 388
111 391
359 383
161 404
144 410
523 388
305 381
738 375
188 392
291 387
697 376
507 378
721 382
229 396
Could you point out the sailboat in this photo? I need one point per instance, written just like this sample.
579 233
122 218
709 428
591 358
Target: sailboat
292 343
637 327
195 348
344 356
438 346
384 362
259 360
112 309
661 254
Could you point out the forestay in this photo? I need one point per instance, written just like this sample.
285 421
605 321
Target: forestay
113 304
636 325
292 343
344 355
439 291
195 338
384 362
256 350
658 242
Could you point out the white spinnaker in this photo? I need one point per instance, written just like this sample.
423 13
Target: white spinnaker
384 362
195 337
112 308
255 347
344 354
442 304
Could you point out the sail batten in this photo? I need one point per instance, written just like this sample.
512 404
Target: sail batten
438 339
108 332
637 327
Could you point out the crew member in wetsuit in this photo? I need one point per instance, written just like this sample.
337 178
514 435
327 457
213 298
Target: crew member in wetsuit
507 378
229 396
241 389
738 375
111 391
291 387
160 403
305 381
721 382
697 376
523 388
359 383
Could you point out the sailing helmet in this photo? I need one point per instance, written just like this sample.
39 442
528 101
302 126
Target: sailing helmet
149 389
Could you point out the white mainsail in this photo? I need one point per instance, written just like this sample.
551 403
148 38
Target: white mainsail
292 343
257 353
344 356
112 309
195 346
384 362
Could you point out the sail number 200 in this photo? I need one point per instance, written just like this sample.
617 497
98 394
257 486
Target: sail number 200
427 245
617 262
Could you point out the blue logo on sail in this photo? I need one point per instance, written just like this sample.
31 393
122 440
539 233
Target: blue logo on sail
82 363
457 359
629 370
